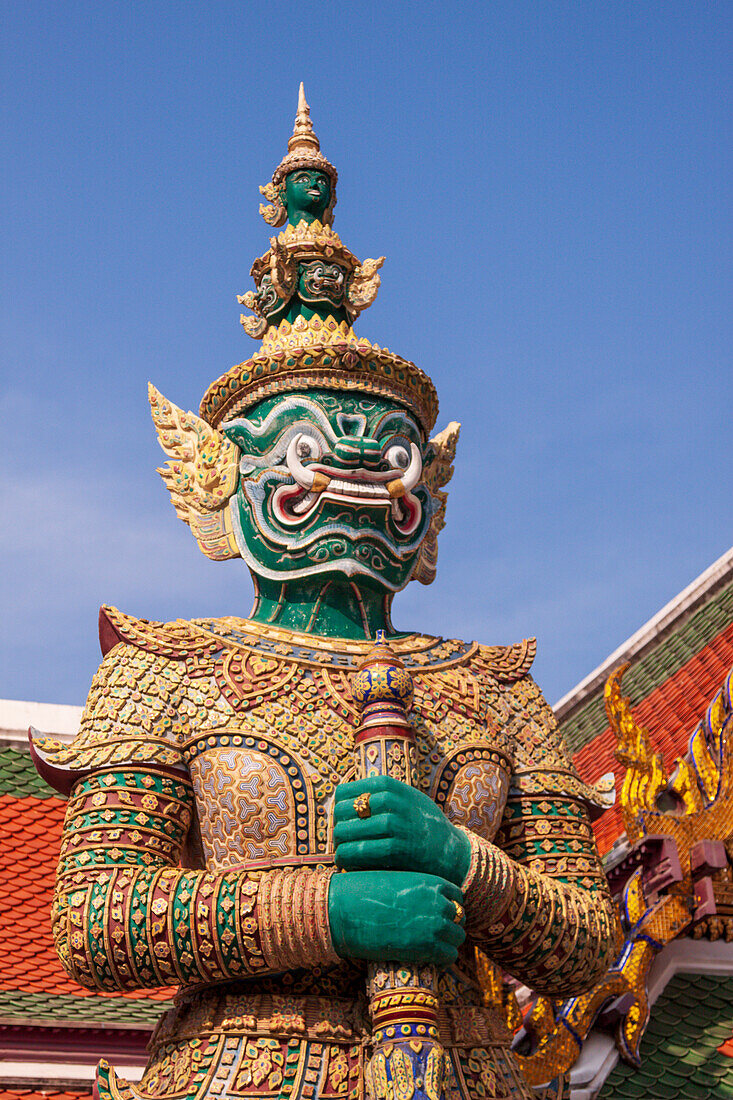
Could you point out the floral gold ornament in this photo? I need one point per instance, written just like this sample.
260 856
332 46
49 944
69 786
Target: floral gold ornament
361 806
218 834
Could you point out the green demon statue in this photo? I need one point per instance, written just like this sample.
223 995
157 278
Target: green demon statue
323 831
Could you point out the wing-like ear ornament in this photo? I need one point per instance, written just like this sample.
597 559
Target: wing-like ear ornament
437 472
201 476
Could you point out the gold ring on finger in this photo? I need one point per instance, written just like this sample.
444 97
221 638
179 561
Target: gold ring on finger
460 913
361 805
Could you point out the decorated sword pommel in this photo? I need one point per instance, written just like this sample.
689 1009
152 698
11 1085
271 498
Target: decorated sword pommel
382 690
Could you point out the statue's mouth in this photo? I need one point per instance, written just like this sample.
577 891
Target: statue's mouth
318 483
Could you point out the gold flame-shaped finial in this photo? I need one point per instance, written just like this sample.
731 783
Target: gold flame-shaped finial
304 148
304 138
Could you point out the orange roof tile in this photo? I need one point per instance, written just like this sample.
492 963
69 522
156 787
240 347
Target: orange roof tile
30 838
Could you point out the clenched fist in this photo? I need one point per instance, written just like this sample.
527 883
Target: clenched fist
398 915
405 831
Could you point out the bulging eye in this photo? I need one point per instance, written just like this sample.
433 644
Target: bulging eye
307 448
397 456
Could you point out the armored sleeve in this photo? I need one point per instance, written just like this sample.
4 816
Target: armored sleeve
126 914
536 897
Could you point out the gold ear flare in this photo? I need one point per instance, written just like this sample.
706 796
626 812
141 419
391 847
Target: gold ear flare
201 476
436 475
363 286
275 213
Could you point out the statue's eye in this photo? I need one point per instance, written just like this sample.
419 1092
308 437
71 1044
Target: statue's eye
308 448
397 456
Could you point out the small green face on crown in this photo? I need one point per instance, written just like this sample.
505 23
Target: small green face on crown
307 194
330 485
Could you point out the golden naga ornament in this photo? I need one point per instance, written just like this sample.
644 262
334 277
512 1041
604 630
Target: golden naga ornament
671 880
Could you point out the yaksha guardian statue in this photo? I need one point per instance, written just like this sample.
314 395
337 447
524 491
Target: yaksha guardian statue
317 838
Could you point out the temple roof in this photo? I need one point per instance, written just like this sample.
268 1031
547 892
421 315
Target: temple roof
677 663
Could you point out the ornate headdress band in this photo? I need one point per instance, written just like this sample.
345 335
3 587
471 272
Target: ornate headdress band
319 354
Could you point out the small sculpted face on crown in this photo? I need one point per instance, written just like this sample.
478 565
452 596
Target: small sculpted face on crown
330 484
307 194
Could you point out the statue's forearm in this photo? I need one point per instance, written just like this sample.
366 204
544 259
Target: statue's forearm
142 927
126 917
556 937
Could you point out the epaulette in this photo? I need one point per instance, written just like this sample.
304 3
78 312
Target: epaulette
177 640
509 663
62 764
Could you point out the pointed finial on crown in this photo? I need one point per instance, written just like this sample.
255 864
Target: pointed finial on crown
304 151
304 138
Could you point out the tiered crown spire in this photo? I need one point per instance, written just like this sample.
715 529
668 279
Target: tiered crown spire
304 151
304 136
309 290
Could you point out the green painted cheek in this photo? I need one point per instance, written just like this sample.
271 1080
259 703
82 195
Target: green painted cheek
337 543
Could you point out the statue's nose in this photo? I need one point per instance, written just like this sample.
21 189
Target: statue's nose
350 452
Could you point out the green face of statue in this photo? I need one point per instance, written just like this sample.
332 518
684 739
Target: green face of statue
330 485
307 195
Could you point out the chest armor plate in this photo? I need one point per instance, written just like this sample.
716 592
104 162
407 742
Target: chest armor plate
264 779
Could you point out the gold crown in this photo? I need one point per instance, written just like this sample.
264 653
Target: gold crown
319 354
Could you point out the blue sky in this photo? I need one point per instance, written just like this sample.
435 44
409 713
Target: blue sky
550 183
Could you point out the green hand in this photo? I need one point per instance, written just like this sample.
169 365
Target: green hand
404 832
396 915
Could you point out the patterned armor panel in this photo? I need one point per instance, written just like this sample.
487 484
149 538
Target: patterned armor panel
246 802
477 792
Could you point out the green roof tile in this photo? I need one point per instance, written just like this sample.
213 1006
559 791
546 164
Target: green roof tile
658 665
19 777
679 1056
57 1009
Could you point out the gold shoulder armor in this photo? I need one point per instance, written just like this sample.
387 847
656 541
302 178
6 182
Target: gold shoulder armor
509 663
540 760
177 640
133 715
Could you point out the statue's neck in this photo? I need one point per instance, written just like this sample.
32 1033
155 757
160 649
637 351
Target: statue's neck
299 216
336 608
